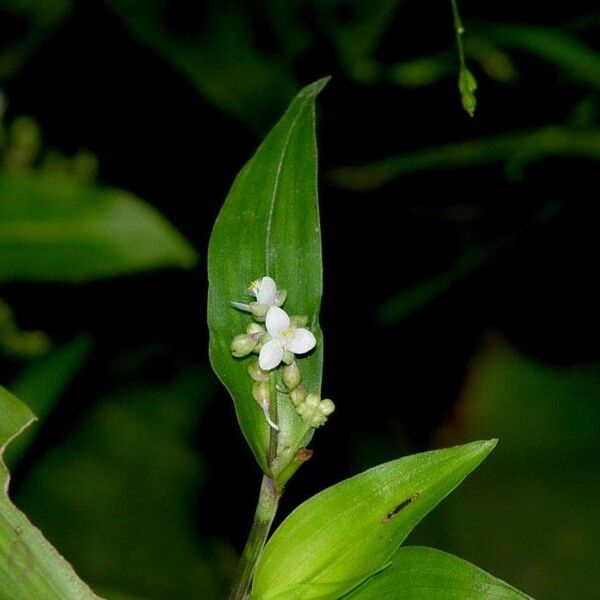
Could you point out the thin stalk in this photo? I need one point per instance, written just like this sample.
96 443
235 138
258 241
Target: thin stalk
268 499
459 30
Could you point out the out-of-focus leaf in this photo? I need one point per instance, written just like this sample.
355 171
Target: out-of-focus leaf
426 574
55 229
30 568
349 531
269 224
221 60
573 57
542 481
356 28
404 304
41 384
16 342
410 300
42 19
520 147
119 495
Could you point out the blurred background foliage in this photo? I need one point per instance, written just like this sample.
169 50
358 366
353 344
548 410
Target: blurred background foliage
466 248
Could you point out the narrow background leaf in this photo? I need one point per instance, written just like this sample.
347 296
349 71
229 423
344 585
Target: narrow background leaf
41 385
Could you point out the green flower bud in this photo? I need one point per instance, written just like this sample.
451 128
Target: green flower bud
298 395
467 85
258 310
255 329
326 407
288 357
291 376
311 415
280 297
262 393
256 372
312 401
242 345
299 320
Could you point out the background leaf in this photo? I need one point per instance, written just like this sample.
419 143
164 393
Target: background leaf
41 384
30 568
518 146
427 574
269 224
55 229
350 530
220 58
130 476
540 479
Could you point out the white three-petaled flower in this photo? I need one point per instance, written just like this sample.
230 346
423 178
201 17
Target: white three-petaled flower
265 292
283 337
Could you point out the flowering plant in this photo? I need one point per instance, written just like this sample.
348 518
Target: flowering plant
345 542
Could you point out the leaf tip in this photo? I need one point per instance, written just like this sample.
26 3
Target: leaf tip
315 88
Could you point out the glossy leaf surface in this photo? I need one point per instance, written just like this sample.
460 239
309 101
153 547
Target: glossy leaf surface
349 531
269 225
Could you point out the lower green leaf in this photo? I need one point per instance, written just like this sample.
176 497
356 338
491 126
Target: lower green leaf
427 574
30 568
349 531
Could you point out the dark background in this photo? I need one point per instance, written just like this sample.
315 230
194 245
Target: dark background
400 387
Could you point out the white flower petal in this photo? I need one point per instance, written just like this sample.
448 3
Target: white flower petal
302 341
277 321
267 291
270 355
241 306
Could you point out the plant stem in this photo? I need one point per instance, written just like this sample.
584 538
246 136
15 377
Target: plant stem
268 499
459 30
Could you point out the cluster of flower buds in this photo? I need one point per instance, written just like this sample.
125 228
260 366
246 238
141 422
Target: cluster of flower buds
277 343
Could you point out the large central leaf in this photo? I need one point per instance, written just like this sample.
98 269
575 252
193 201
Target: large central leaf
269 225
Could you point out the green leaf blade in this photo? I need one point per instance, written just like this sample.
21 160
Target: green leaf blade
269 225
54 229
30 568
417 573
352 529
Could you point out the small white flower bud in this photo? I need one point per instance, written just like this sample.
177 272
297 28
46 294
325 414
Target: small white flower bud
311 415
261 393
326 407
258 310
291 376
256 372
312 401
280 297
299 320
255 329
298 395
242 345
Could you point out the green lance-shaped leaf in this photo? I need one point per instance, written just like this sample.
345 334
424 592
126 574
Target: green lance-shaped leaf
30 568
348 532
269 225
426 574
56 229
